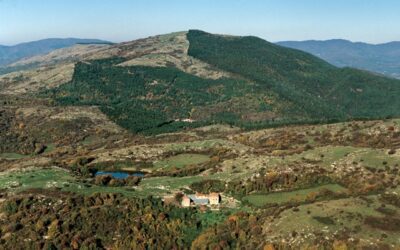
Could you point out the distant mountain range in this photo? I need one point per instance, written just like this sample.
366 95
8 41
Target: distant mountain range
380 58
10 54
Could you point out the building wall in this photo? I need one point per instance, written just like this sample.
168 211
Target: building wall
214 200
185 202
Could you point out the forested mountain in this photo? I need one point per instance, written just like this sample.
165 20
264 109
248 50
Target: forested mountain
264 85
380 58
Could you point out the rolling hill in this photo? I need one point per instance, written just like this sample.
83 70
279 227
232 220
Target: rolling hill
380 58
160 85
10 54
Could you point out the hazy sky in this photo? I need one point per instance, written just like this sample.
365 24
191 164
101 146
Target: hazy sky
372 21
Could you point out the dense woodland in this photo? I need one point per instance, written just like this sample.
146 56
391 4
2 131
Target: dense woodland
146 99
60 221
309 84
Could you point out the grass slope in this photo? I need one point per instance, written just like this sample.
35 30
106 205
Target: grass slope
10 54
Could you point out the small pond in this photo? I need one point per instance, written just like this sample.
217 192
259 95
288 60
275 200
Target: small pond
120 174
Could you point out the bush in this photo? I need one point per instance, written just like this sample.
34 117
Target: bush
383 223
208 186
10 207
324 220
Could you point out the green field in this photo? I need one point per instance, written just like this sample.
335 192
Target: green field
260 200
12 156
329 154
35 178
165 185
49 147
54 178
181 160
59 178
377 158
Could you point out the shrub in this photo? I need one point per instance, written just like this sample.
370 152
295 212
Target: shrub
383 223
10 207
324 220
208 186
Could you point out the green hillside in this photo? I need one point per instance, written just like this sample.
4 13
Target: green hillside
270 85
322 90
148 99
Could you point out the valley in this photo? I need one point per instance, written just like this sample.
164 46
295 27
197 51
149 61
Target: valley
336 167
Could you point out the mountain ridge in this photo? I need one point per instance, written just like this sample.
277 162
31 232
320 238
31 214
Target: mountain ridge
264 85
380 58
153 85
13 53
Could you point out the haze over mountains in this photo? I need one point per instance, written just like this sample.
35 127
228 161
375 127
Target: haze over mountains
380 58
10 54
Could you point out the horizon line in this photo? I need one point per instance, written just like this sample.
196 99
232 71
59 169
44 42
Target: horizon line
122 41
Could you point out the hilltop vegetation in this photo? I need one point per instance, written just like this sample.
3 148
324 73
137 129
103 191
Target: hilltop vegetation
269 85
148 99
318 89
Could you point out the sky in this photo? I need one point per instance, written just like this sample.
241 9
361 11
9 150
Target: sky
373 21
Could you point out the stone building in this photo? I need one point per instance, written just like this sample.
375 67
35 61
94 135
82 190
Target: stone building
200 199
